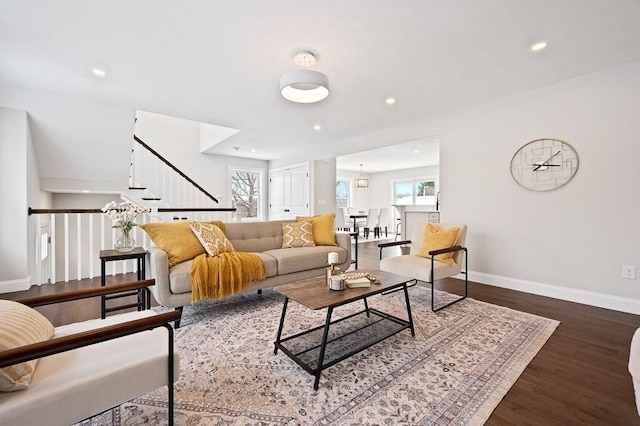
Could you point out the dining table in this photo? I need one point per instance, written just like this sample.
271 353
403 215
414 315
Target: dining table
355 218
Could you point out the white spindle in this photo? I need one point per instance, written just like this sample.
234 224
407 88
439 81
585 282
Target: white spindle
52 252
91 252
66 247
79 246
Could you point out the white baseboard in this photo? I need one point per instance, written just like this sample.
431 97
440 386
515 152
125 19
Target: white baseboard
15 285
617 303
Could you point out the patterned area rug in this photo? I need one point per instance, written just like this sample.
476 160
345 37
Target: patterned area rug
459 366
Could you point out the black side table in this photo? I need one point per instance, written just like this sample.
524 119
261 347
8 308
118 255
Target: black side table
144 298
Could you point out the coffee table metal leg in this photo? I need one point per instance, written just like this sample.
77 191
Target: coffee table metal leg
406 297
366 306
284 312
323 346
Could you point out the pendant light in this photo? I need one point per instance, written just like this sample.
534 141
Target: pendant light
362 182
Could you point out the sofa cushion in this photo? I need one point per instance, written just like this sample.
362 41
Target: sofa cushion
255 236
212 238
176 238
180 281
304 258
323 228
297 234
20 325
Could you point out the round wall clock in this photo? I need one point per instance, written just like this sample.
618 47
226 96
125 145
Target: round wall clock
544 165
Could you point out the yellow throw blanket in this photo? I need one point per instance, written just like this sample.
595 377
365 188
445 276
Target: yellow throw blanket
215 277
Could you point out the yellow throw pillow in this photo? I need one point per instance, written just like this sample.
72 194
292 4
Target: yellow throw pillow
176 238
297 234
212 238
323 224
435 239
20 325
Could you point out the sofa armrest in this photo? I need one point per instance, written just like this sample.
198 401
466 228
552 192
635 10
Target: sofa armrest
344 241
158 269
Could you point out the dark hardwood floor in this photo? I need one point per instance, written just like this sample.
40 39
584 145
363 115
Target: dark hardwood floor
580 376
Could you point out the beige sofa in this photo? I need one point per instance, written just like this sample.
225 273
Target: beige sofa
173 285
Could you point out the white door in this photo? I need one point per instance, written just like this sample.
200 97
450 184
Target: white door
289 192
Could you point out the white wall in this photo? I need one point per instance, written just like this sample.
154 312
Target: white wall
75 140
323 192
14 273
570 243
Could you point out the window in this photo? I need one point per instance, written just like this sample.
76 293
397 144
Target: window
416 192
246 194
342 193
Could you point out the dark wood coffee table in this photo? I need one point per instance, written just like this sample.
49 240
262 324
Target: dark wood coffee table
323 346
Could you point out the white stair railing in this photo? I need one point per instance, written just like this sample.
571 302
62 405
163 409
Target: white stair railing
161 179
70 249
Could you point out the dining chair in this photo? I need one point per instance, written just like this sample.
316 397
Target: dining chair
383 222
342 222
372 222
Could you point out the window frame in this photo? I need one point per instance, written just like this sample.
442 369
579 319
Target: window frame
260 187
414 182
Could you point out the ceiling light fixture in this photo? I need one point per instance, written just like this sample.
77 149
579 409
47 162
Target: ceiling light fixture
390 101
538 46
317 127
304 86
361 182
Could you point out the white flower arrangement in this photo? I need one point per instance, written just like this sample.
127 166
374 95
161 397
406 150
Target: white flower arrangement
124 214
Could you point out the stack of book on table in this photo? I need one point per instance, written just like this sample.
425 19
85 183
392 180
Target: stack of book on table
358 282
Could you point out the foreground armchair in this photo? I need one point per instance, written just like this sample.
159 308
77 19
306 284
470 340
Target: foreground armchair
437 251
87 367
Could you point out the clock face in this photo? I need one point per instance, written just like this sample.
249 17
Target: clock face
544 164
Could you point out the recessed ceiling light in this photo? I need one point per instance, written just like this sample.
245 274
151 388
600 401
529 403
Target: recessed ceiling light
99 72
317 127
415 151
538 46
390 101
253 150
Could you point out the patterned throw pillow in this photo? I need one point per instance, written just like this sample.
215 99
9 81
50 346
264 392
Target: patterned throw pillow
435 239
20 325
212 238
297 234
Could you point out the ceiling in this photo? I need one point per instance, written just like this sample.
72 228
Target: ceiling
219 62
407 155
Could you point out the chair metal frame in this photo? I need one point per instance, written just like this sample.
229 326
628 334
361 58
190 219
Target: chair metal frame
433 254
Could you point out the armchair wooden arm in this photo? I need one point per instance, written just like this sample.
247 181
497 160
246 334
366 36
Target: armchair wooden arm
49 299
445 250
77 340
392 244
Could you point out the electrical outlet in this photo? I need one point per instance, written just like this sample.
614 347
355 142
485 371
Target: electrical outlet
629 272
